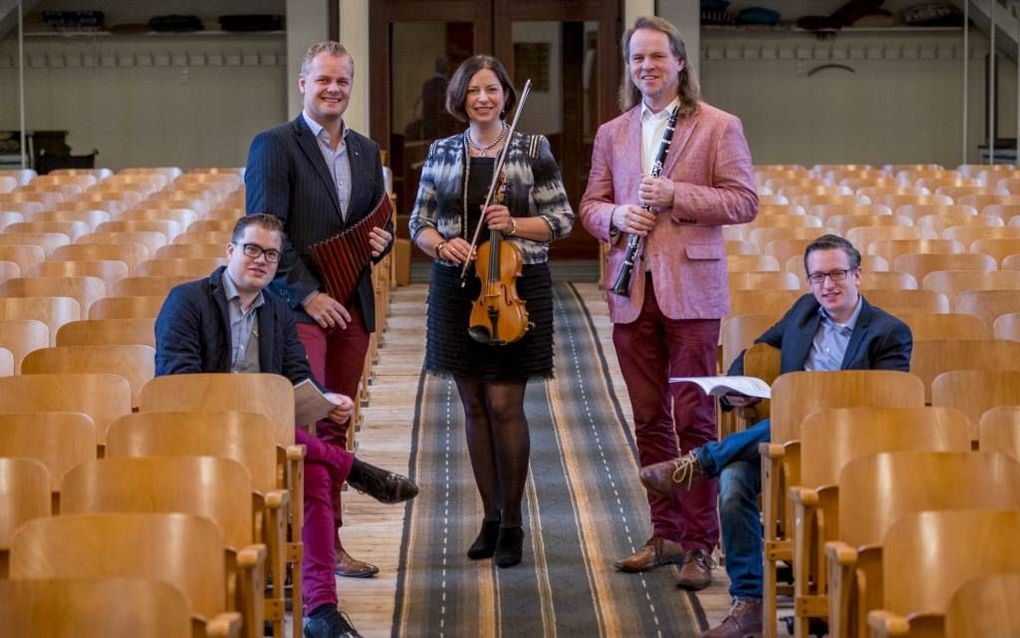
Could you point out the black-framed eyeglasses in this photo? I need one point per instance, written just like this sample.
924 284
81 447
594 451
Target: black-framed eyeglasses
839 274
253 251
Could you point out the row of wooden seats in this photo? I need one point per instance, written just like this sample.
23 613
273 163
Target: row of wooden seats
162 428
796 396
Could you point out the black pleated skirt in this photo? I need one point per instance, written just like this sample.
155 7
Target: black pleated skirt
450 351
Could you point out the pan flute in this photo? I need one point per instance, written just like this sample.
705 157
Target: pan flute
342 257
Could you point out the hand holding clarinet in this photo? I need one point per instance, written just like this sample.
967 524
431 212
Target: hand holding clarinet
654 193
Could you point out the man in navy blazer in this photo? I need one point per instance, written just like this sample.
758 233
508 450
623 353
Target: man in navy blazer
320 178
833 328
227 323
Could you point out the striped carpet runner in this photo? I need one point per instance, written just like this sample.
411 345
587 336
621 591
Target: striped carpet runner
583 509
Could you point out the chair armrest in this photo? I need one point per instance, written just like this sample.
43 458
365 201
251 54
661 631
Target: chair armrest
225 625
805 538
884 624
841 563
251 564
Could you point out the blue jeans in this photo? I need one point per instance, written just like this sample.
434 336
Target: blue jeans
736 462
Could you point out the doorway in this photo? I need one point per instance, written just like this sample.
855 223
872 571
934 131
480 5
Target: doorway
569 50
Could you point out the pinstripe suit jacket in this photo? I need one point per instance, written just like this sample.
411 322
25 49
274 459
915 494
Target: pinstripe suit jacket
287 176
710 165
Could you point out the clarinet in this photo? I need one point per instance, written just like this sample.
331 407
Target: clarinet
634 242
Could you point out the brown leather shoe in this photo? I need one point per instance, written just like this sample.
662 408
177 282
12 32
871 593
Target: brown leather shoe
656 552
350 567
666 477
743 621
696 571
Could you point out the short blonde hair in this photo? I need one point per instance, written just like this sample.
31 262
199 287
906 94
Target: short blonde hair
329 47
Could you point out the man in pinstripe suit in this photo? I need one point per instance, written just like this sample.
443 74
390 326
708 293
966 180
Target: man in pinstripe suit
320 178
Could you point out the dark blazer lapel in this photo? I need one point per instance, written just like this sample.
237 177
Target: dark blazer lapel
805 336
220 298
307 142
857 336
682 135
267 326
359 205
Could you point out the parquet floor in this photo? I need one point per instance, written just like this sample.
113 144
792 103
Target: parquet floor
373 531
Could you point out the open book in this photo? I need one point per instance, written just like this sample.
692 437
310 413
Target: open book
310 404
718 386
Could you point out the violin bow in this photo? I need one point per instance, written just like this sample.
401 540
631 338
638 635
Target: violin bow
495 177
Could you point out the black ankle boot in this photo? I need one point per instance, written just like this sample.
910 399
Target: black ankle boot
509 546
485 545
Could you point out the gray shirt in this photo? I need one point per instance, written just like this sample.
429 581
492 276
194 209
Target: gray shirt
831 340
244 328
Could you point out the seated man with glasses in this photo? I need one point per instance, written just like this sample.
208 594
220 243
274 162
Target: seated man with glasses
833 328
228 323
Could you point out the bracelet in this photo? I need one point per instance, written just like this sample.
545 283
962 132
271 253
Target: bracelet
439 248
513 227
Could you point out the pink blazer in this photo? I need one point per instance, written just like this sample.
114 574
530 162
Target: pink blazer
710 164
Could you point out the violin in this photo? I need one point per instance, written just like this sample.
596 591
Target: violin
498 315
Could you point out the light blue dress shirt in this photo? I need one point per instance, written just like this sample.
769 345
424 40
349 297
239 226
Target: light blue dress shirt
831 340
338 161
244 328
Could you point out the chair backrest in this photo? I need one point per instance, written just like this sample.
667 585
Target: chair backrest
58 440
69 608
918 211
245 437
795 395
987 304
51 311
179 267
974 392
9 270
905 301
151 240
109 270
930 327
1007 326
268 394
985 606
147 286
749 263
168 228
888 281
763 236
203 485
940 551
136 363
862 236
21 336
998 249
737 333
91 218
96 332
191 251
25 255
844 223
131 307
47 241
967 235
182 550
763 361
24 495
1000 430
920 264
953 282
929 359
748 302
204 237
893 248
84 290
131 253
765 281
73 229
830 439
103 397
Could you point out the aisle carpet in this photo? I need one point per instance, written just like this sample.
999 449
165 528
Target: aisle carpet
583 509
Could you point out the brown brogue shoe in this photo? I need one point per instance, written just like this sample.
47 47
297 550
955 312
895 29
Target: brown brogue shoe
743 621
666 477
350 567
656 552
696 571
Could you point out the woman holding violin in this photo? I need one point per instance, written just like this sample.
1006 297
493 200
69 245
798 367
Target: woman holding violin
476 333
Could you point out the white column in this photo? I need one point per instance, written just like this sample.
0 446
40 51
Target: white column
354 36
307 23
686 15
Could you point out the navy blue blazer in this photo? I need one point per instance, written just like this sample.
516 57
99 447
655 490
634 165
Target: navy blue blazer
193 333
879 341
287 176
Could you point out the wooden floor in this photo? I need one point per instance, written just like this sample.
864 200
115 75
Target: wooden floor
373 531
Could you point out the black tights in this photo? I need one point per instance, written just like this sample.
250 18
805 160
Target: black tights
498 444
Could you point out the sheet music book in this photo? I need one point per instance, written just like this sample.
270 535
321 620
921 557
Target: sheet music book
718 386
310 404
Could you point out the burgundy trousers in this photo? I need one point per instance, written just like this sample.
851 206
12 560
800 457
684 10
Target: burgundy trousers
672 419
326 468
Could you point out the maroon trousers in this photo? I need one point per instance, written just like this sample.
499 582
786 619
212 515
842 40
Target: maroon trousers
337 358
672 419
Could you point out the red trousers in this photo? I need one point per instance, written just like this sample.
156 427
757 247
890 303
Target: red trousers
672 419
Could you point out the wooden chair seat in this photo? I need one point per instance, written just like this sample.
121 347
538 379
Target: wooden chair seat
24 495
